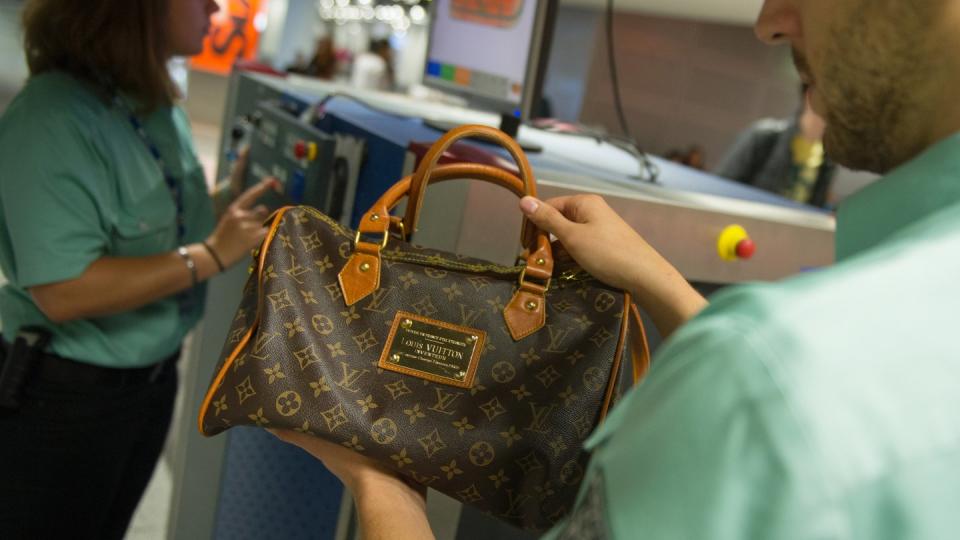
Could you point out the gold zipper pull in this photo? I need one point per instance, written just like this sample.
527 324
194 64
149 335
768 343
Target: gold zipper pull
571 274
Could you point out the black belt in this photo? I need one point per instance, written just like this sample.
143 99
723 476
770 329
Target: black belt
57 369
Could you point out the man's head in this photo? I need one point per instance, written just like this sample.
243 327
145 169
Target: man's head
878 69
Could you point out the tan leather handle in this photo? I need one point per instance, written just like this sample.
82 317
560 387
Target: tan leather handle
443 173
428 165
531 240
457 171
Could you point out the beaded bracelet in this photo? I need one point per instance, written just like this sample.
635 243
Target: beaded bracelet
188 260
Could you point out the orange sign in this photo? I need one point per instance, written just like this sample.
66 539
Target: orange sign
232 36
500 13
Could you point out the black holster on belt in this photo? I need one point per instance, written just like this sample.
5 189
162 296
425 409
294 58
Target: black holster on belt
21 356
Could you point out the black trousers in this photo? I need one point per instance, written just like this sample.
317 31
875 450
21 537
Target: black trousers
75 460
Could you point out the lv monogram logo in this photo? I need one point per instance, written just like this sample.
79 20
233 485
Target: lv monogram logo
445 401
378 299
296 270
322 324
540 414
350 378
423 479
280 300
468 316
345 248
260 346
237 334
557 336
515 504
604 301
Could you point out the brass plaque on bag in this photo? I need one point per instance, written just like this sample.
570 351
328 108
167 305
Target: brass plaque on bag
433 350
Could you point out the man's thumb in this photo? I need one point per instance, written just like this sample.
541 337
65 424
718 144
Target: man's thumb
544 216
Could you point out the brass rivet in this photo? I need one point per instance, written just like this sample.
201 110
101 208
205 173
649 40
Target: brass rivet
394 358
462 374
364 267
531 305
471 339
375 217
407 323
541 262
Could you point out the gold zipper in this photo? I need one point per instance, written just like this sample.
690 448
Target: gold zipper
447 264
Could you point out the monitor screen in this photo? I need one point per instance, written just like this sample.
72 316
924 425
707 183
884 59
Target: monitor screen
488 51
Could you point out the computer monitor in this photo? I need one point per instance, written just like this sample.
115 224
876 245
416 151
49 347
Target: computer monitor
491 52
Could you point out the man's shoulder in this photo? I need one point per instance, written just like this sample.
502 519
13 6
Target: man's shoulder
854 308
828 395
860 358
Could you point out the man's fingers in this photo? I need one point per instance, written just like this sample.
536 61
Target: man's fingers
579 208
250 196
545 216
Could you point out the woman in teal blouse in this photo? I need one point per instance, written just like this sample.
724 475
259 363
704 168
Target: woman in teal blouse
108 234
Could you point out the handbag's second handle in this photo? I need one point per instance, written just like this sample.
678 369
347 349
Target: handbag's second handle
442 173
427 166
360 276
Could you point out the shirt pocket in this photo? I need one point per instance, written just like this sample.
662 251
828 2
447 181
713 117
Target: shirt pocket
146 227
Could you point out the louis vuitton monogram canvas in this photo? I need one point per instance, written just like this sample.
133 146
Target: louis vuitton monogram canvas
297 357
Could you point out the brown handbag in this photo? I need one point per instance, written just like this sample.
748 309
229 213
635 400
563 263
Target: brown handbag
476 379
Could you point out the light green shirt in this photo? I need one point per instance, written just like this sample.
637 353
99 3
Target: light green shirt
823 407
77 184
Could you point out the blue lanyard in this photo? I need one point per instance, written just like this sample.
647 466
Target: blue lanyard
186 299
176 190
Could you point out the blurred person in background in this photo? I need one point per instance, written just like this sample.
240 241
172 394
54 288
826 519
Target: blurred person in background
322 64
784 156
373 70
692 157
